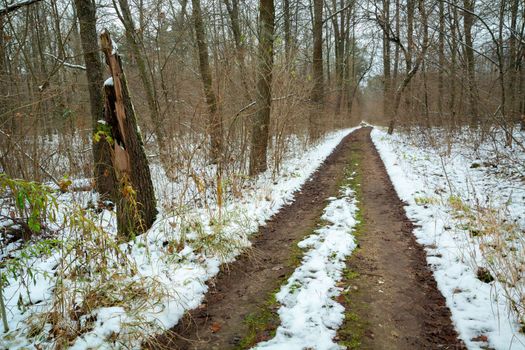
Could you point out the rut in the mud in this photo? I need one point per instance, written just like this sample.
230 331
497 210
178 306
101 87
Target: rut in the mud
396 304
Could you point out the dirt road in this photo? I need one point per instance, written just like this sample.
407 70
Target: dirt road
393 301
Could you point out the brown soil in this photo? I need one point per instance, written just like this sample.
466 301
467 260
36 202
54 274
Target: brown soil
403 311
394 295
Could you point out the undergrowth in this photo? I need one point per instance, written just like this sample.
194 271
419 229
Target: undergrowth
501 245
496 244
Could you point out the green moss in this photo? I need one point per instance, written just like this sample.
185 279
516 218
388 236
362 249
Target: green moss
350 274
353 178
353 328
262 323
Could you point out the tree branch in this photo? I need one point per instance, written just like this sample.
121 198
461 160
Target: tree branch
7 8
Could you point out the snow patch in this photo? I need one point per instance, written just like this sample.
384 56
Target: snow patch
479 310
309 314
108 82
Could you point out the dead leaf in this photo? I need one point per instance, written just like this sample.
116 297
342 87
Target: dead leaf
215 327
481 338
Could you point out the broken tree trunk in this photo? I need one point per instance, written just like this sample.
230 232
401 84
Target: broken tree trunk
136 208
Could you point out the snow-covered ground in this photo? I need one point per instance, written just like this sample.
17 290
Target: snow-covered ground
309 314
164 271
469 206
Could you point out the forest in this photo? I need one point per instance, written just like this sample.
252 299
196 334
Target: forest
271 174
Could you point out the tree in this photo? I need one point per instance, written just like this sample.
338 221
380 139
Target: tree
103 171
468 22
287 31
136 206
393 110
5 9
232 6
387 83
441 57
146 76
317 68
215 121
261 122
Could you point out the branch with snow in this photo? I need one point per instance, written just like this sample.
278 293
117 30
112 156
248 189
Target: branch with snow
6 8
66 64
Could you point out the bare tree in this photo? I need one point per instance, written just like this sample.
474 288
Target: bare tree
261 122
468 21
216 127
135 42
317 68
103 171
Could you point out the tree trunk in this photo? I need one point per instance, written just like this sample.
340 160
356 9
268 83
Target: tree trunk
287 31
387 84
136 206
441 58
146 77
453 60
4 100
513 67
233 12
261 123
216 127
338 23
103 171
410 74
397 50
317 91
468 21
501 67
410 52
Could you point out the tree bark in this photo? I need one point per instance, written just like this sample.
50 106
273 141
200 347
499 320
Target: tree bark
103 170
4 100
216 127
233 11
501 67
468 21
387 84
441 58
338 24
453 63
397 50
287 31
261 123
410 51
136 206
318 79
513 66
